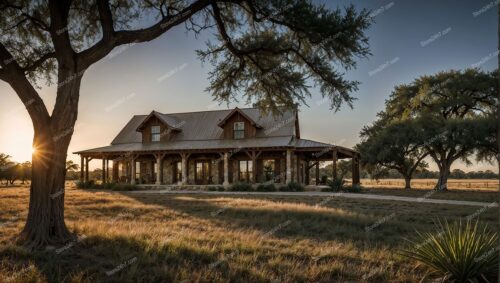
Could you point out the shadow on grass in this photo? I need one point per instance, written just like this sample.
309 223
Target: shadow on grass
98 259
283 222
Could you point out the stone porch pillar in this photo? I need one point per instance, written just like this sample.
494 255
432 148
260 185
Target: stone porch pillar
132 177
289 166
226 169
184 164
159 172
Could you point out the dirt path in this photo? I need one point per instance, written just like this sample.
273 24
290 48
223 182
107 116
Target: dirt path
422 199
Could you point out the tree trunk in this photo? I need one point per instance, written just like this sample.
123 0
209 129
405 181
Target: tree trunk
407 183
442 184
45 223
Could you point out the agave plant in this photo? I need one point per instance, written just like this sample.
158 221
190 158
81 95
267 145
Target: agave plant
457 252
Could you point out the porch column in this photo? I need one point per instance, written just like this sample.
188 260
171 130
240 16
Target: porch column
132 173
81 168
226 169
87 159
159 173
306 173
103 170
184 165
289 166
107 170
334 164
132 169
355 170
317 173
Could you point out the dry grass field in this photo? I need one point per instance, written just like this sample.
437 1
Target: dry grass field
455 184
198 238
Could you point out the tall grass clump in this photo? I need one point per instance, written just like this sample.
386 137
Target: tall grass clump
457 252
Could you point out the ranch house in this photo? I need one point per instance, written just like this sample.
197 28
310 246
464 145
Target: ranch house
214 148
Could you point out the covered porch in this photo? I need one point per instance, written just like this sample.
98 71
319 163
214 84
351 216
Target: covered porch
223 166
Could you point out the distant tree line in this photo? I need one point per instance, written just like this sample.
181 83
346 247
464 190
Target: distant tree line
11 171
345 171
448 116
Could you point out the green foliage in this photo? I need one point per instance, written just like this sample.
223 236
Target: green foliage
323 179
266 188
337 184
440 115
71 166
458 252
394 145
292 187
357 188
107 186
85 184
125 187
241 187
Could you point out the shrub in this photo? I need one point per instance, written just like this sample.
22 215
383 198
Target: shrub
109 186
241 187
266 188
458 252
211 189
292 187
354 189
85 185
323 179
221 189
336 185
125 187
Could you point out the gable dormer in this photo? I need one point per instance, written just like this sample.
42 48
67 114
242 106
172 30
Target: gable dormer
157 127
238 125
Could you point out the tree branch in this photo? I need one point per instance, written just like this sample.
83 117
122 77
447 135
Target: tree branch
13 74
59 11
39 62
105 45
106 18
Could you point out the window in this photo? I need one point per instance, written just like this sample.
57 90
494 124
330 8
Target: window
269 170
239 130
155 133
202 172
245 170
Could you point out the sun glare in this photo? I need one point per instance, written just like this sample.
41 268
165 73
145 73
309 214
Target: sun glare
33 150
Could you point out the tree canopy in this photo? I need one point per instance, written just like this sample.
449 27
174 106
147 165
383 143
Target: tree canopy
448 116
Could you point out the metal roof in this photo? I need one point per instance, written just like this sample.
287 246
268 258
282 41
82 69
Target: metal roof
200 131
204 125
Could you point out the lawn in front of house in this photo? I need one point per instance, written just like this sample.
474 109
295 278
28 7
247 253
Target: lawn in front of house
205 238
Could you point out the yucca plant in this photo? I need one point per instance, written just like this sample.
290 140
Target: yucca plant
457 252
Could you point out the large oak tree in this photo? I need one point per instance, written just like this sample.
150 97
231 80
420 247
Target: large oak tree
392 145
447 106
266 50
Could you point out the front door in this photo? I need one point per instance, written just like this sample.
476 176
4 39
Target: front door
202 172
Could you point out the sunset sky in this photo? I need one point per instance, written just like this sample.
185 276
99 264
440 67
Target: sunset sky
407 39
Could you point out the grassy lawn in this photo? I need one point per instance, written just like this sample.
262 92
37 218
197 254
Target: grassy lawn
200 238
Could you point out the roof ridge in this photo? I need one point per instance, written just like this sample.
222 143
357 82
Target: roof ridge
204 111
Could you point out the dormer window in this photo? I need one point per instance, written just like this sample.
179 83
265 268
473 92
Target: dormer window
155 133
239 130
